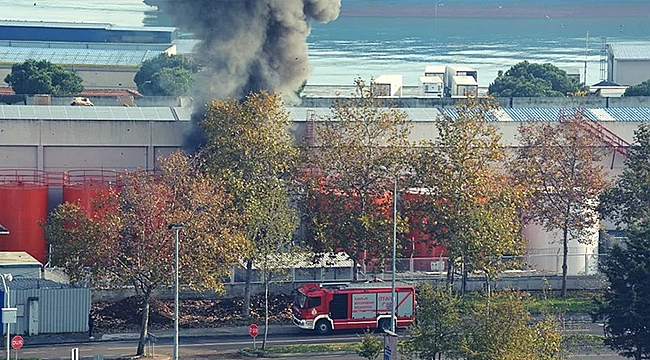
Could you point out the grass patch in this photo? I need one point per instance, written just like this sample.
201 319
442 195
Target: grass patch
553 303
306 348
561 305
582 343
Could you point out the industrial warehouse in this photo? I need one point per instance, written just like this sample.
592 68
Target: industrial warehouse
54 152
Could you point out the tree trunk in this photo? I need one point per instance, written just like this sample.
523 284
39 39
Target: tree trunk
144 325
246 306
463 285
355 277
267 279
565 243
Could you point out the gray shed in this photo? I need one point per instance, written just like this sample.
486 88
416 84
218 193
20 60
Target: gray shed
46 307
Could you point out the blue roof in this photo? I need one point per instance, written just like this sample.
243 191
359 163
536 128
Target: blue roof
453 114
542 114
629 113
72 56
83 32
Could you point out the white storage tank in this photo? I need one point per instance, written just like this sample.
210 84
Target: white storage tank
545 251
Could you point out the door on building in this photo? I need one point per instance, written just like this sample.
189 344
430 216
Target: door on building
32 312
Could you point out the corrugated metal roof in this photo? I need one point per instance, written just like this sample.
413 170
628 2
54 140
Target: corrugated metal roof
602 115
453 114
40 112
26 284
72 56
83 25
542 114
299 114
629 114
58 24
630 51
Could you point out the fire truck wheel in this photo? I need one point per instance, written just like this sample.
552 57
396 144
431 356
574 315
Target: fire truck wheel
384 324
323 327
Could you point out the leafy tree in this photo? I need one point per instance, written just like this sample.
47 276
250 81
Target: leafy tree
642 89
172 82
249 147
626 306
370 346
436 331
628 201
560 164
533 80
126 240
166 75
500 327
43 77
348 200
472 207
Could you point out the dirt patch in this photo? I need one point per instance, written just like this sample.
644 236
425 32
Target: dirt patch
125 315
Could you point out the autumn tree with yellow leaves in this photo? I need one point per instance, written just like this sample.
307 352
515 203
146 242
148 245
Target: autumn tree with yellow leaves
469 204
249 146
125 240
560 163
348 199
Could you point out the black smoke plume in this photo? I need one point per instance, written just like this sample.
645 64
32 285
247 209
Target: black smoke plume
249 45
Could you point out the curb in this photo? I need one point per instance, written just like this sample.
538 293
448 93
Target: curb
300 355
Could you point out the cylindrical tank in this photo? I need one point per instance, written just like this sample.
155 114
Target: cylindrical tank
545 251
82 187
425 255
23 210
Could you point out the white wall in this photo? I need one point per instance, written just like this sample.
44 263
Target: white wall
631 72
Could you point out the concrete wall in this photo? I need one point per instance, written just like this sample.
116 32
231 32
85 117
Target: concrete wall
68 144
95 77
107 78
531 283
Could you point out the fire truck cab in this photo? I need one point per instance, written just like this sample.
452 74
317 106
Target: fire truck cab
324 308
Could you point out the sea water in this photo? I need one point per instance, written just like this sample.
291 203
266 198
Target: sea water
375 37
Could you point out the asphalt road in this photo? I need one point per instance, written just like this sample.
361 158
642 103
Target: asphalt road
227 346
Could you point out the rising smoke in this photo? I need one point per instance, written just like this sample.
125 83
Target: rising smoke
249 45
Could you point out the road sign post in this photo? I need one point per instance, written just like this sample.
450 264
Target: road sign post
17 342
253 331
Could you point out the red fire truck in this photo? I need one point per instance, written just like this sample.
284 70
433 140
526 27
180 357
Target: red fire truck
352 306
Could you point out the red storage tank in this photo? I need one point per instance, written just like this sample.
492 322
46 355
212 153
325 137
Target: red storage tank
425 256
23 208
82 186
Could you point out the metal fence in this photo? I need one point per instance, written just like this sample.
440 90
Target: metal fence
545 264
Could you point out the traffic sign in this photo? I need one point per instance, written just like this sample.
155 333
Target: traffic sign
253 330
17 342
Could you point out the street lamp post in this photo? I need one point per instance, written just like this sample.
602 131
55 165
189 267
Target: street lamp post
393 315
6 277
176 227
